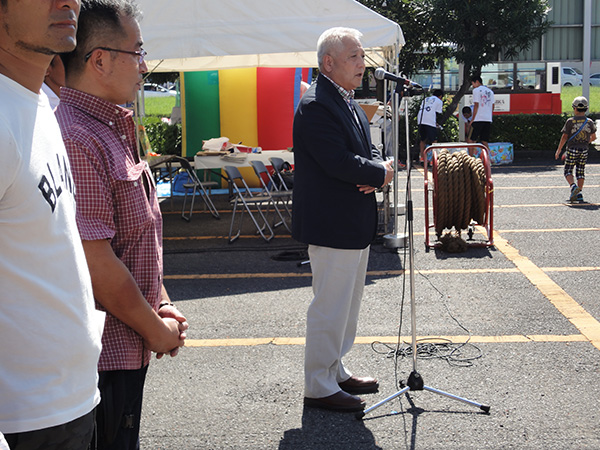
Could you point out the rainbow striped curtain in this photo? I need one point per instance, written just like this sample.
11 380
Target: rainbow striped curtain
253 106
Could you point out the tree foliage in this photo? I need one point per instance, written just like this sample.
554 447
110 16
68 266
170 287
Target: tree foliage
474 32
424 45
162 77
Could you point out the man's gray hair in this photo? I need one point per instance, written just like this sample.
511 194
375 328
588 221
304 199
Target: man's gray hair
331 40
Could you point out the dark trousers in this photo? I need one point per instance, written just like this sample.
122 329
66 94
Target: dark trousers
74 435
119 412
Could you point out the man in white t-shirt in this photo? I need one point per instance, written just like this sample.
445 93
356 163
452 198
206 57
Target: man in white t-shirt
3 443
49 330
427 119
483 107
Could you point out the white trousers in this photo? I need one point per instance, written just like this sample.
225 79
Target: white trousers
338 284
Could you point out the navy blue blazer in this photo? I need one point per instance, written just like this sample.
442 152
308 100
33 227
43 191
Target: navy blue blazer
332 155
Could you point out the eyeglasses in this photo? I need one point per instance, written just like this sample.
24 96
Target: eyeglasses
141 54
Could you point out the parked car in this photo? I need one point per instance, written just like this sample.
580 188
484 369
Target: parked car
156 90
570 77
595 79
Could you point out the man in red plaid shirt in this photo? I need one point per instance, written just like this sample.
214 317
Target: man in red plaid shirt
118 214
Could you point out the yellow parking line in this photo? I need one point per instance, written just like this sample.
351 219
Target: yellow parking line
566 305
581 319
538 205
523 188
222 236
570 269
548 230
196 238
548 205
556 174
561 186
371 273
510 339
231 276
527 230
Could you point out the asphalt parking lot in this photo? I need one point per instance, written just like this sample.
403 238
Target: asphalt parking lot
519 322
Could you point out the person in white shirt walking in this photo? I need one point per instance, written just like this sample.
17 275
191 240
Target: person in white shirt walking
483 108
428 118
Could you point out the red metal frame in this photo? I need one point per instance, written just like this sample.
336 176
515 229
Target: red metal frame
488 218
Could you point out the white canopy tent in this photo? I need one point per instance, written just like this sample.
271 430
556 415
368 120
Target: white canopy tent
194 35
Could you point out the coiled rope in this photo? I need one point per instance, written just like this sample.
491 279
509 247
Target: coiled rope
460 191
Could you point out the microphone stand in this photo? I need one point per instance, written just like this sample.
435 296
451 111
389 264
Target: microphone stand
395 240
415 381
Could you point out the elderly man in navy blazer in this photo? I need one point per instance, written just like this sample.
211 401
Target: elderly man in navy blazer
337 171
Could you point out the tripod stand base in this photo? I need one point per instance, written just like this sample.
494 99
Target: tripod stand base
395 240
415 383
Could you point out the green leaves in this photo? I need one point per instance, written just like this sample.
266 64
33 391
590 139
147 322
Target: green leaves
475 33
164 138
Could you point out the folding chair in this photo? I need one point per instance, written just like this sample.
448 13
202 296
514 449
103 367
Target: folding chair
195 185
279 165
278 168
243 200
278 197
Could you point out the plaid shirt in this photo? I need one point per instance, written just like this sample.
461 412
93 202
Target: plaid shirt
347 95
116 200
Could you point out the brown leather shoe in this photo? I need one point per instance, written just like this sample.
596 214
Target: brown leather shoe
340 401
359 385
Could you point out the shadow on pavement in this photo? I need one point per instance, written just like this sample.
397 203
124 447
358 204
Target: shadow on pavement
328 430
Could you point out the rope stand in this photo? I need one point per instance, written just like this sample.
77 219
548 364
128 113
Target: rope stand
462 196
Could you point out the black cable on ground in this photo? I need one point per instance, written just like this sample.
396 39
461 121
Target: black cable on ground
454 354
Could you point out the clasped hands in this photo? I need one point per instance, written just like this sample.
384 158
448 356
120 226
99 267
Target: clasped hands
389 175
171 337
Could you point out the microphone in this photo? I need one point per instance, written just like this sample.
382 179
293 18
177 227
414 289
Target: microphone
381 74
